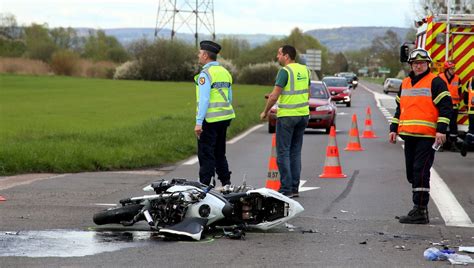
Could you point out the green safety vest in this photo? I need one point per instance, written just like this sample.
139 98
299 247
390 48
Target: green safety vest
219 108
293 100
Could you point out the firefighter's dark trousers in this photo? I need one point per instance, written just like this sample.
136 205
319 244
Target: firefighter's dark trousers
419 157
453 125
211 152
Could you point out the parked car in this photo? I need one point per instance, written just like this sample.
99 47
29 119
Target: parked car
322 110
339 89
391 85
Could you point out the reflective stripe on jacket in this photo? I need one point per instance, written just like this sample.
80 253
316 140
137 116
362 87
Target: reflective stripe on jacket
293 100
452 87
219 108
418 113
470 97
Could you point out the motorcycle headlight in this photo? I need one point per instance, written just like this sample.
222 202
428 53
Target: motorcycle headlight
354 82
323 108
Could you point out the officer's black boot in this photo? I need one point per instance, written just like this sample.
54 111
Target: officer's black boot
225 178
418 215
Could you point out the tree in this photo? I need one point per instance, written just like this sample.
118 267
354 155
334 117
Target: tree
65 38
10 43
98 46
39 44
233 47
430 7
386 49
8 27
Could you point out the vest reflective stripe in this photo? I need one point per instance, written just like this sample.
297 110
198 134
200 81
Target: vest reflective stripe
452 87
470 97
219 108
413 92
218 114
293 100
418 113
217 104
295 92
289 106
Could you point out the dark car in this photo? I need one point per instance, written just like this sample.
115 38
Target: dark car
339 89
391 85
322 110
351 78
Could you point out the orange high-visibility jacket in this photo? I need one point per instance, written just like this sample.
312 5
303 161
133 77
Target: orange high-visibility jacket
452 87
418 113
470 98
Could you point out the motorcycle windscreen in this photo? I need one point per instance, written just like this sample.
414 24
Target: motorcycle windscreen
189 228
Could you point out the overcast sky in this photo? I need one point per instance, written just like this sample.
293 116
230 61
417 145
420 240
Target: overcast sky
243 16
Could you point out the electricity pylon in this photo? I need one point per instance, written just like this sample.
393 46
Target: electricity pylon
193 14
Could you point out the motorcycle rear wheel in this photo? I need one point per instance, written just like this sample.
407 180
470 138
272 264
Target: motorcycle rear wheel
117 215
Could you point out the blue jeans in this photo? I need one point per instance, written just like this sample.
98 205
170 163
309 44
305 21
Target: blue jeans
289 141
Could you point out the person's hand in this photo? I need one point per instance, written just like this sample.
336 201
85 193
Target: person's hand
198 131
440 138
263 116
392 137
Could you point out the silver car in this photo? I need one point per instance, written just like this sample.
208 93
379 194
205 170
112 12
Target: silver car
391 85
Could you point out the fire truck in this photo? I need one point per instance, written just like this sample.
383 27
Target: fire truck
447 38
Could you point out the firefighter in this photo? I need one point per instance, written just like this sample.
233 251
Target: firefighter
454 86
469 99
422 116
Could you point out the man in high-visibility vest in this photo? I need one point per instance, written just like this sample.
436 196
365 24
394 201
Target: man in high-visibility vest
469 99
213 115
422 116
454 86
291 90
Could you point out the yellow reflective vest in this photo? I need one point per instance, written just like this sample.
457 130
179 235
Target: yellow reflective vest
219 108
293 100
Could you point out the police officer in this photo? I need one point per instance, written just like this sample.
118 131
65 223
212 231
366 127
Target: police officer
469 100
291 92
422 116
214 113
454 86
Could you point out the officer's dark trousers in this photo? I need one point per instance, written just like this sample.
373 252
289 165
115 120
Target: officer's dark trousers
453 126
419 157
211 152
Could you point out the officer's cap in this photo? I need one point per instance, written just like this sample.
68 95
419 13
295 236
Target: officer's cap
210 46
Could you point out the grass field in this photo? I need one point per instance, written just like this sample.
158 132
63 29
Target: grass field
64 124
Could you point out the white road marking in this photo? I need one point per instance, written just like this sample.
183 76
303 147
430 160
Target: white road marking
451 211
243 135
194 159
449 207
304 189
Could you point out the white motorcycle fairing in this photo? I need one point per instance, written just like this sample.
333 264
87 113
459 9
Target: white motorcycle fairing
294 208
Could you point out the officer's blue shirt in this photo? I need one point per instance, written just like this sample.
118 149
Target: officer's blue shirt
205 92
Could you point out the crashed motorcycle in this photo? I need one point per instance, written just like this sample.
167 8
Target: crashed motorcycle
182 208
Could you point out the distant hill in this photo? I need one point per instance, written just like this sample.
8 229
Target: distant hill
352 38
337 39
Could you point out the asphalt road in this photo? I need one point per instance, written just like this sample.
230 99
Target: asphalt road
47 219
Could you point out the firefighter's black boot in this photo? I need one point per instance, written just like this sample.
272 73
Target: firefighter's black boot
464 147
418 215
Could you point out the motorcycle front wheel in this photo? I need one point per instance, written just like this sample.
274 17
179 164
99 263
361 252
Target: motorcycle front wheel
117 215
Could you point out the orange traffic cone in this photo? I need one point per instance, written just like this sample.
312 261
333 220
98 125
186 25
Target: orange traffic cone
368 132
273 177
354 141
2 198
332 166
